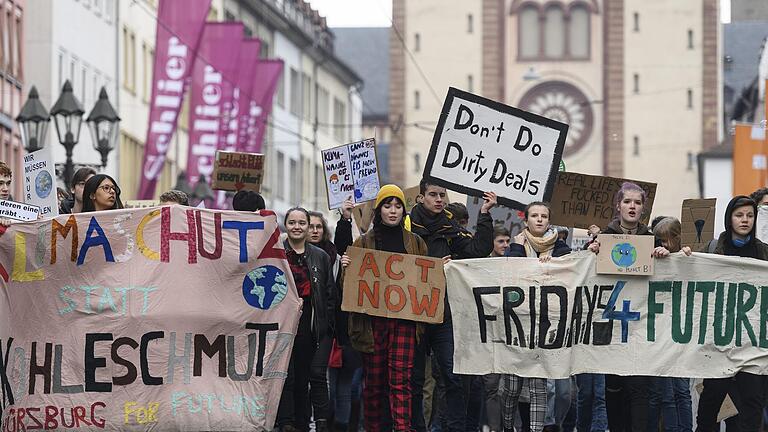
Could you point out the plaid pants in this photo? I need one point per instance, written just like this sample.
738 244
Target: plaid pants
387 374
513 385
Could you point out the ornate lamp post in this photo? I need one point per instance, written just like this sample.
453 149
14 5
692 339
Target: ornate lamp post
67 114
33 122
104 124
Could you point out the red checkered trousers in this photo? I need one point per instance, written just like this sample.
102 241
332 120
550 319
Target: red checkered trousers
387 374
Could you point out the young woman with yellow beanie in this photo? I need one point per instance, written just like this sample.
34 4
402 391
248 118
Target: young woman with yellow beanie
388 345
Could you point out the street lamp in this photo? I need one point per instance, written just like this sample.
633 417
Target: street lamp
104 123
33 121
67 114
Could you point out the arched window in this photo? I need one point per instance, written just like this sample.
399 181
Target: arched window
579 32
554 32
529 32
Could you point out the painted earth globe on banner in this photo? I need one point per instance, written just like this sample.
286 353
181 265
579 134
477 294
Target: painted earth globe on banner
43 184
624 254
265 287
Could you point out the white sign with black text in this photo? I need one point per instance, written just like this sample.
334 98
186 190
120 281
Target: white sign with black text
481 145
40 182
18 211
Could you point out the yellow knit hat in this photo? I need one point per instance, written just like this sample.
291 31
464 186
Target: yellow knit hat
388 191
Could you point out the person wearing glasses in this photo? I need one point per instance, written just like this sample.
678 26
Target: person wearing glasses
75 203
101 193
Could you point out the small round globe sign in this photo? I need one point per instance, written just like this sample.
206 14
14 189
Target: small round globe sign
265 287
624 255
43 184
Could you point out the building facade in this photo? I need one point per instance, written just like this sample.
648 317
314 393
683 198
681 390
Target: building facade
73 40
12 70
317 104
636 80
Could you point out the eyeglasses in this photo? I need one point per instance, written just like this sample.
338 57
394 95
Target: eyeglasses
108 188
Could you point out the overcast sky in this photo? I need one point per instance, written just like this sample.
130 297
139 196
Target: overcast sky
377 13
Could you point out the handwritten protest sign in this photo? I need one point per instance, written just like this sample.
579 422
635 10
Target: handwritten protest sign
580 200
40 182
628 255
482 145
697 220
18 211
234 171
351 172
394 285
142 320
557 319
130 204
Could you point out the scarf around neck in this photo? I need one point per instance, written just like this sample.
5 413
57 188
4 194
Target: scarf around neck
539 246
425 223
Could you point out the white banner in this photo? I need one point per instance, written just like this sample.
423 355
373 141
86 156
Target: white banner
703 316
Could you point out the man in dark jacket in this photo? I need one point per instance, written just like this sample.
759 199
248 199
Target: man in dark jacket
446 239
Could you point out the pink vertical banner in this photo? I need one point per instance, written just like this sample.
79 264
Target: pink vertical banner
249 57
267 76
179 25
211 95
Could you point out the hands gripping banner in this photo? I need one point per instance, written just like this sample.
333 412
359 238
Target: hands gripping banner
166 318
703 316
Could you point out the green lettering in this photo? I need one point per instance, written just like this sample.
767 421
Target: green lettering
741 312
764 317
724 330
679 335
655 307
705 288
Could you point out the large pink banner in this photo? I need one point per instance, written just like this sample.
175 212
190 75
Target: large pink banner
162 319
249 57
267 76
211 96
179 25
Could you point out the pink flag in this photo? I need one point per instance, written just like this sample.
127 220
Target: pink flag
211 94
267 75
249 57
179 25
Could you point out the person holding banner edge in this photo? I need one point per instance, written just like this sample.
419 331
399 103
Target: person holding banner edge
739 239
446 239
313 275
620 391
538 240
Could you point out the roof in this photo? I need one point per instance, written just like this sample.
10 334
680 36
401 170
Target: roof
743 42
366 51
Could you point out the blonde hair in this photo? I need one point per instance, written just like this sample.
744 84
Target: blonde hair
670 231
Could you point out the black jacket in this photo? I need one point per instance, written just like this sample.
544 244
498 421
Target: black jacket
323 288
754 247
517 250
456 241
343 236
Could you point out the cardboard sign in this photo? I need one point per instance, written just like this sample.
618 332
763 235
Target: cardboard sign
393 285
233 171
580 200
363 213
351 172
117 282
697 220
481 145
18 211
140 203
625 254
762 223
40 182
509 218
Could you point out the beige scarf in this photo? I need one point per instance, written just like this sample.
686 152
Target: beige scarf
537 246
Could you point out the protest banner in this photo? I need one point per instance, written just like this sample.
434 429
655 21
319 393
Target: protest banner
509 218
580 200
696 317
132 204
18 211
481 145
351 172
394 285
697 220
40 182
234 171
137 319
762 223
179 26
622 254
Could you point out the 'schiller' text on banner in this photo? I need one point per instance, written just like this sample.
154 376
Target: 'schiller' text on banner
394 285
481 145
179 26
140 317
700 316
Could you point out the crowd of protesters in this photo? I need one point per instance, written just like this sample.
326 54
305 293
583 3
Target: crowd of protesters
352 372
